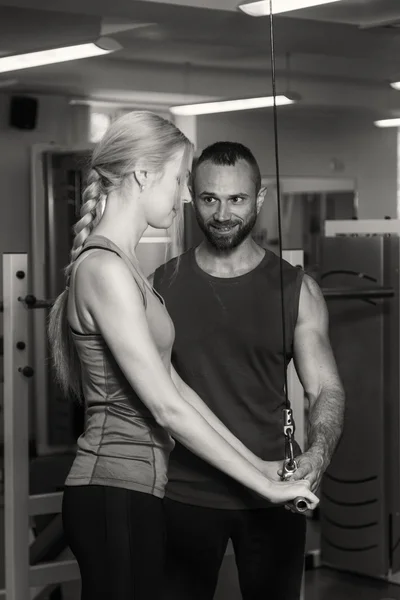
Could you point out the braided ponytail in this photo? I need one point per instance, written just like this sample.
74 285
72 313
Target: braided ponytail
65 356
91 212
136 136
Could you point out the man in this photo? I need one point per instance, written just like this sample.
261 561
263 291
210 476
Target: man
225 300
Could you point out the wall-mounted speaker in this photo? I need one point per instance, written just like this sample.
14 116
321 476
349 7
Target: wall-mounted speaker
23 112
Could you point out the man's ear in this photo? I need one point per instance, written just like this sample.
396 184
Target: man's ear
260 198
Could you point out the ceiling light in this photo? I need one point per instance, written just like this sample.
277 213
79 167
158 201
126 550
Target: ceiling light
207 108
388 123
396 85
261 8
56 55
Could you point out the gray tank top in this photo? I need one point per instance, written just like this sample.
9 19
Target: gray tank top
122 445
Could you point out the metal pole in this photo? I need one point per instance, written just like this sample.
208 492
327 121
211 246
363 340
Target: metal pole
295 389
361 294
31 302
16 428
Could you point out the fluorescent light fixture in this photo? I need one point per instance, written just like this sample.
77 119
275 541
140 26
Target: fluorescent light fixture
207 108
396 85
57 55
388 123
261 8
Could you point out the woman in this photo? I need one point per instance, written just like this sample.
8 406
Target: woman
111 338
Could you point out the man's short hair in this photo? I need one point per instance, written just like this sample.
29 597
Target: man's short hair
227 154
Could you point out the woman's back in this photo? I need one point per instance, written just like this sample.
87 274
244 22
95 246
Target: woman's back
122 446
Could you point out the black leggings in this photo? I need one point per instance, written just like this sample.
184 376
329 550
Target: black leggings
118 539
268 543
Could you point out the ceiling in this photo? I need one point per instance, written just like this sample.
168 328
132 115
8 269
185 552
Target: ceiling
205 46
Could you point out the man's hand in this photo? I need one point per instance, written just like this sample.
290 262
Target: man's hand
310 466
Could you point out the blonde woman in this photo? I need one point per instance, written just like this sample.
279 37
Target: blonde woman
111 338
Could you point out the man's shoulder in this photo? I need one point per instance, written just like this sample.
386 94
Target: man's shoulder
170 270
312 292
273 265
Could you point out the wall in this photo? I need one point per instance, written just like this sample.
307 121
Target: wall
54 124
310 141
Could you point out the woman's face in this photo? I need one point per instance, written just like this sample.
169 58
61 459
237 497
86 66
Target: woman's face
166 194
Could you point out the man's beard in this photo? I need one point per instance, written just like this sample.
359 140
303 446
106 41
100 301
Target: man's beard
227 241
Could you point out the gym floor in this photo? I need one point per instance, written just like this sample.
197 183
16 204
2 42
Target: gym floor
327 584
320 584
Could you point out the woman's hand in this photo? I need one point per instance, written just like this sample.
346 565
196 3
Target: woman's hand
285 492
271 469
285 495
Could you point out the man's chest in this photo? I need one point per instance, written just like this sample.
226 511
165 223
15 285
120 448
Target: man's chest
229 317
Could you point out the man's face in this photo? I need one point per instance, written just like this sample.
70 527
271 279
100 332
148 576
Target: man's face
226 203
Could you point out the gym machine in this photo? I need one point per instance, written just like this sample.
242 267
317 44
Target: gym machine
360 505
23 576
57 181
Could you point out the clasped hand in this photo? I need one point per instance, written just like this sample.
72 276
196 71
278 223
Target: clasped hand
310 467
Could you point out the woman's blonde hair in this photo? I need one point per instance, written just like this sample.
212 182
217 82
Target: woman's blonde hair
138 135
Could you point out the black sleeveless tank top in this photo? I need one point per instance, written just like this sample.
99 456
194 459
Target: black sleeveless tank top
229 349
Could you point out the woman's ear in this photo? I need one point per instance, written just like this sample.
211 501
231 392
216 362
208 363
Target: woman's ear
141 178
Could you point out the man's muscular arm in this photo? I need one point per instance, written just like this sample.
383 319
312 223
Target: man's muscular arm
316 368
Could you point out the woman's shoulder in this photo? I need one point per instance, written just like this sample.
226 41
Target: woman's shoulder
96 260
99 268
